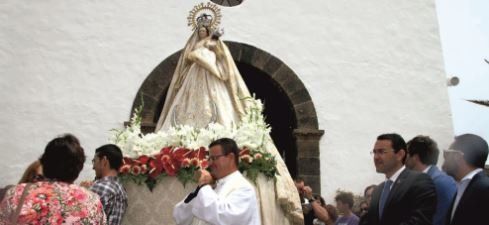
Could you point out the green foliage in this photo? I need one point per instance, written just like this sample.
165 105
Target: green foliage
139 180
142 179
265 165
186 175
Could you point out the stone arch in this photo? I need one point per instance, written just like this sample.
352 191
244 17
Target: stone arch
307 135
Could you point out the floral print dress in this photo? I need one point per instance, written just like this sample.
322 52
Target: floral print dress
53 203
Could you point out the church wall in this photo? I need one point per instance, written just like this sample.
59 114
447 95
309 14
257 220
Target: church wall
370 67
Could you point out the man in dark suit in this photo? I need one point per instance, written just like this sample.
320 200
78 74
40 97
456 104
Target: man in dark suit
406 196
422 156
464 161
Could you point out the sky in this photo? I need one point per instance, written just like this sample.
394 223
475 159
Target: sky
464 33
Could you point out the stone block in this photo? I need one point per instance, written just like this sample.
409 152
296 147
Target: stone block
299 97
272 66
235 49
314 182
308 166
247 53
306 115
260 58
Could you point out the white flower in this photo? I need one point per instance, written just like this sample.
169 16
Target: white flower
252 132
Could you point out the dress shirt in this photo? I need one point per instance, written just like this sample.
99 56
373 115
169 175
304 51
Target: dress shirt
427 169
461 186
394 177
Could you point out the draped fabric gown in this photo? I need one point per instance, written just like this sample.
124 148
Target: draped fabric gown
207 87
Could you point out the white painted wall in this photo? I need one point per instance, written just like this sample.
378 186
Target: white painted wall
75 66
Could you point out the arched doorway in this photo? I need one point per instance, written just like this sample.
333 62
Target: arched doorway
288 106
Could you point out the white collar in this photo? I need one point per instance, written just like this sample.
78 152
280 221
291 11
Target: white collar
427 168
228 177
394 177
471 175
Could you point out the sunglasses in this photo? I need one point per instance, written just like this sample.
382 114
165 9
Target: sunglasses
447 152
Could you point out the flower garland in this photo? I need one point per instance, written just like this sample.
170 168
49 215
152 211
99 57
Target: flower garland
182 150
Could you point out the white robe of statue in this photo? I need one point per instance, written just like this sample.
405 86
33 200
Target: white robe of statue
207 87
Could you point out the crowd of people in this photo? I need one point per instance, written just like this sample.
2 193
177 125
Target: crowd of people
415 190
46 193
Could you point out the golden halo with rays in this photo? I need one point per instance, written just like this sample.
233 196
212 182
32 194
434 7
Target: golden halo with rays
209 9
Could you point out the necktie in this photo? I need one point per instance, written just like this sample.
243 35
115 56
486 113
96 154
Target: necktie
383 197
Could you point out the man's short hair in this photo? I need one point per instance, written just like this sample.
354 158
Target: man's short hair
113 154
298 179
397 141
228 146
474 147
373 186
346 198
63 158
426 149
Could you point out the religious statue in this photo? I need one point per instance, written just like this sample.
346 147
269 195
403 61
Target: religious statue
207 88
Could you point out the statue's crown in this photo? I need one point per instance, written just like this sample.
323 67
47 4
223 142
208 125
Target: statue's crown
204 15
204 20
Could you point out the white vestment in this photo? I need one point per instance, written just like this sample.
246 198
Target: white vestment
232 202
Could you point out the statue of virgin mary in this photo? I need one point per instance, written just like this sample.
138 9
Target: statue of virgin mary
207 88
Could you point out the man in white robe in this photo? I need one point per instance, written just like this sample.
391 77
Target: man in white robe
233 200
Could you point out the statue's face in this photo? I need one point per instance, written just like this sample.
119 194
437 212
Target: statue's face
203 32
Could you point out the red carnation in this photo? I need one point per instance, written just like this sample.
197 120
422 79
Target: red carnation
144 169
258 156
194 162
136 170
125 169
186 162
204 164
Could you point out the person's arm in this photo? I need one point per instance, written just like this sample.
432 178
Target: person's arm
424 202
182 213
237 208
320 212
446 189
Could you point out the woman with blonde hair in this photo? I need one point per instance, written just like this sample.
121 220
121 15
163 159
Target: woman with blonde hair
33 173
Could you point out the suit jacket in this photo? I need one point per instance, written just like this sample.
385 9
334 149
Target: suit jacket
445 193
473 207
411 201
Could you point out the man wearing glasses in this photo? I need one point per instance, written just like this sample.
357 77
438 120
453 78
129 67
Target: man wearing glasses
406 196
232 201
464 161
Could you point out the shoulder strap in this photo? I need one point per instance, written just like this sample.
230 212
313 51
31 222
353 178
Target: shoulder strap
15 216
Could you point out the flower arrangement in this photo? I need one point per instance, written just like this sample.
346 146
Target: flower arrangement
182 150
